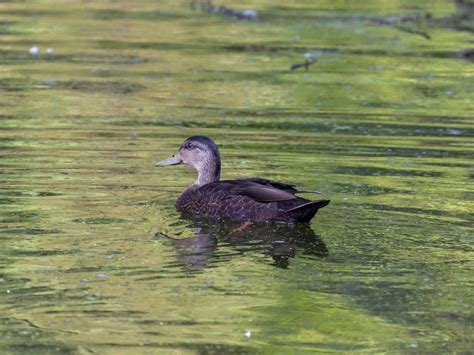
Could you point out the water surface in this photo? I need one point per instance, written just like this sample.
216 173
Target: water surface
95 258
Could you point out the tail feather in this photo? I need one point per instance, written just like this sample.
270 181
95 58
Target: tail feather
306 211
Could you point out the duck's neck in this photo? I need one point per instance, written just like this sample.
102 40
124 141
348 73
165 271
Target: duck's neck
208 172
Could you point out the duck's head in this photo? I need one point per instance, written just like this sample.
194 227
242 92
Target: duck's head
202 154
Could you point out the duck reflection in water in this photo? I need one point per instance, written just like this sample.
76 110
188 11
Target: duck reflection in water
279 241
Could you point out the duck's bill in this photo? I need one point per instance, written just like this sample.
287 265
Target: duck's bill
171 161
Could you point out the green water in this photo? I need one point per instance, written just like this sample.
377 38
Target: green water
94 257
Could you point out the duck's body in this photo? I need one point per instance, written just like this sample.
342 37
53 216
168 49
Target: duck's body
252 199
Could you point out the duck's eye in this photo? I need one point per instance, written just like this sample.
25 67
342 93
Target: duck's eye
189 145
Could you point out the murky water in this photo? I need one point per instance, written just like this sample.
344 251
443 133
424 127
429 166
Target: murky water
94 257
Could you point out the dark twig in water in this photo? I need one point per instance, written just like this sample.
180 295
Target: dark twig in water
396 21
462 20
412 31
45 329
467 54
465 8
208 7
304 65
310 59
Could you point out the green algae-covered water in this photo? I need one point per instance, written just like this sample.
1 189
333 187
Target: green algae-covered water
95 259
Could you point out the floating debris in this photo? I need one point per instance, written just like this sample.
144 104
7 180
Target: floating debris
49 50
248 334
208 7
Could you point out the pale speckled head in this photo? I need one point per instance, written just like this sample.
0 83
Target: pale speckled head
202 154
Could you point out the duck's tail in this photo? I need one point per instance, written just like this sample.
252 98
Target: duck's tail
306 211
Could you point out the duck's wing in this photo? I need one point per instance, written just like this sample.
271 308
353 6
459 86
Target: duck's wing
274 184
265 194
280 185
260 190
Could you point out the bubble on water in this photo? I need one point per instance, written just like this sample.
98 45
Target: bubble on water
376 68
250 14
34 50
454 132
310 56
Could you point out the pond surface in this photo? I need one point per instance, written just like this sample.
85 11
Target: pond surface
94 257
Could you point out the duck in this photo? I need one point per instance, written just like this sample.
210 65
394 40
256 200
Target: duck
248 200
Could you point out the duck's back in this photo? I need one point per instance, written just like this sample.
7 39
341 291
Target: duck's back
251 199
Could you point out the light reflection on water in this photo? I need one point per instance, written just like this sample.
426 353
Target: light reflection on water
94 256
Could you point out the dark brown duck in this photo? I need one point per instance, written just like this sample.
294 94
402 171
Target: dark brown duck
252 199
